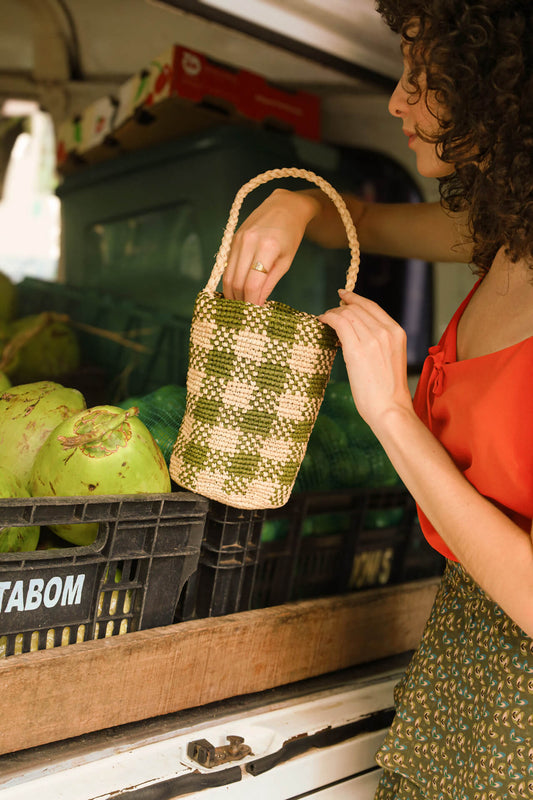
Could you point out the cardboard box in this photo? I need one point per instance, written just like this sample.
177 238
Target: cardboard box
67 141
178 93
186 75
97 123
183 91
296 112
87 138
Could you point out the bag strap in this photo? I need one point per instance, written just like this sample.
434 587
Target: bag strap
285 172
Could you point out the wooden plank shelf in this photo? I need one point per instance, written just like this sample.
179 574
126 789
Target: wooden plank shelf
57 694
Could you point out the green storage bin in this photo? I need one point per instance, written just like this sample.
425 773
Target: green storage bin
141 233
147 225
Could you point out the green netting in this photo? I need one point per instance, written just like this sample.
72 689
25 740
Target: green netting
162 412
343 452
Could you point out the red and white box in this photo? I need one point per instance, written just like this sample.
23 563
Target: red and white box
184 74
181 92
297 112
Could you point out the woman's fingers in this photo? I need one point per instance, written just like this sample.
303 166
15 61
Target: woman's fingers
254 277
273 275
254 264
264 246
363 306
358 314
240 259
373 347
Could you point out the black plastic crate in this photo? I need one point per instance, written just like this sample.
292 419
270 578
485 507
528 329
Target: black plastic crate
422 560
224 580
130 579
333 542
318 544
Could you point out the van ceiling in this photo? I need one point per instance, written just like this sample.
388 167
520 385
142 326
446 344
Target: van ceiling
66 53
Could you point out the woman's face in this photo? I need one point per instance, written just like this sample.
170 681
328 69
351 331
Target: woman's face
419 112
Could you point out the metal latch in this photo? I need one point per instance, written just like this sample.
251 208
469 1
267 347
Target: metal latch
204 753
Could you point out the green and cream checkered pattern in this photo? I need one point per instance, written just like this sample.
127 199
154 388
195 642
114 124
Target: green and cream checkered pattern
256 379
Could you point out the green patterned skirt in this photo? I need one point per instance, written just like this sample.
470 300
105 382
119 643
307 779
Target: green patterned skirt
463 728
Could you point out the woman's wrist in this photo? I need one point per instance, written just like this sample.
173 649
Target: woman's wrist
306 203
394 422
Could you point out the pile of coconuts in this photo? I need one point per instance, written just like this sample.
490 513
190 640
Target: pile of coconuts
51 444
36 346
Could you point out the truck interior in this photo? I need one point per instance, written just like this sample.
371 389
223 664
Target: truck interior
119 231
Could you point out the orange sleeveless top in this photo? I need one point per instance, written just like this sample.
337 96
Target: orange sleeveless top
481 410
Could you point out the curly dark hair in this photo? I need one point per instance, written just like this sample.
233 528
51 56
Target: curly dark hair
478 60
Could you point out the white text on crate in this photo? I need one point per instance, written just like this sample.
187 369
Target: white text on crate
64 591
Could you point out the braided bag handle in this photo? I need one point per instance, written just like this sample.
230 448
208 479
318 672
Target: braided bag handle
284 172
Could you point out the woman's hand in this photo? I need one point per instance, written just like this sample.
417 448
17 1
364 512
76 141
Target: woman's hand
270 236
374 350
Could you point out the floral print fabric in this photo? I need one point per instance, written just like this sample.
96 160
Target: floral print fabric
463 728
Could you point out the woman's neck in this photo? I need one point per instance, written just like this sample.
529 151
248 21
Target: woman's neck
507 275
500 312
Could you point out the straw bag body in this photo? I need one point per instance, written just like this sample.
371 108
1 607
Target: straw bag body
255 382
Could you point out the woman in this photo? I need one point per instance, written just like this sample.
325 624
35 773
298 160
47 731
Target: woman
464 445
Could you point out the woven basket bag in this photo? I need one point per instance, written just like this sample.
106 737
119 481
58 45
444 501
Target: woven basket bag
255 382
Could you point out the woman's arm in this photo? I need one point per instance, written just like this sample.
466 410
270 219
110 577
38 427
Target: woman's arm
496 552
493 549
402 230
273 232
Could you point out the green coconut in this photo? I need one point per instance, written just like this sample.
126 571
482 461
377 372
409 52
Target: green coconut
16 539
40 347
104 450
28 414
8 298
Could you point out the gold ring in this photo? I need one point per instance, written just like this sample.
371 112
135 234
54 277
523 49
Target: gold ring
259 267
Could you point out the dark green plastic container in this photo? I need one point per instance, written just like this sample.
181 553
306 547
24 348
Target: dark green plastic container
147 225
127 348
141 233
